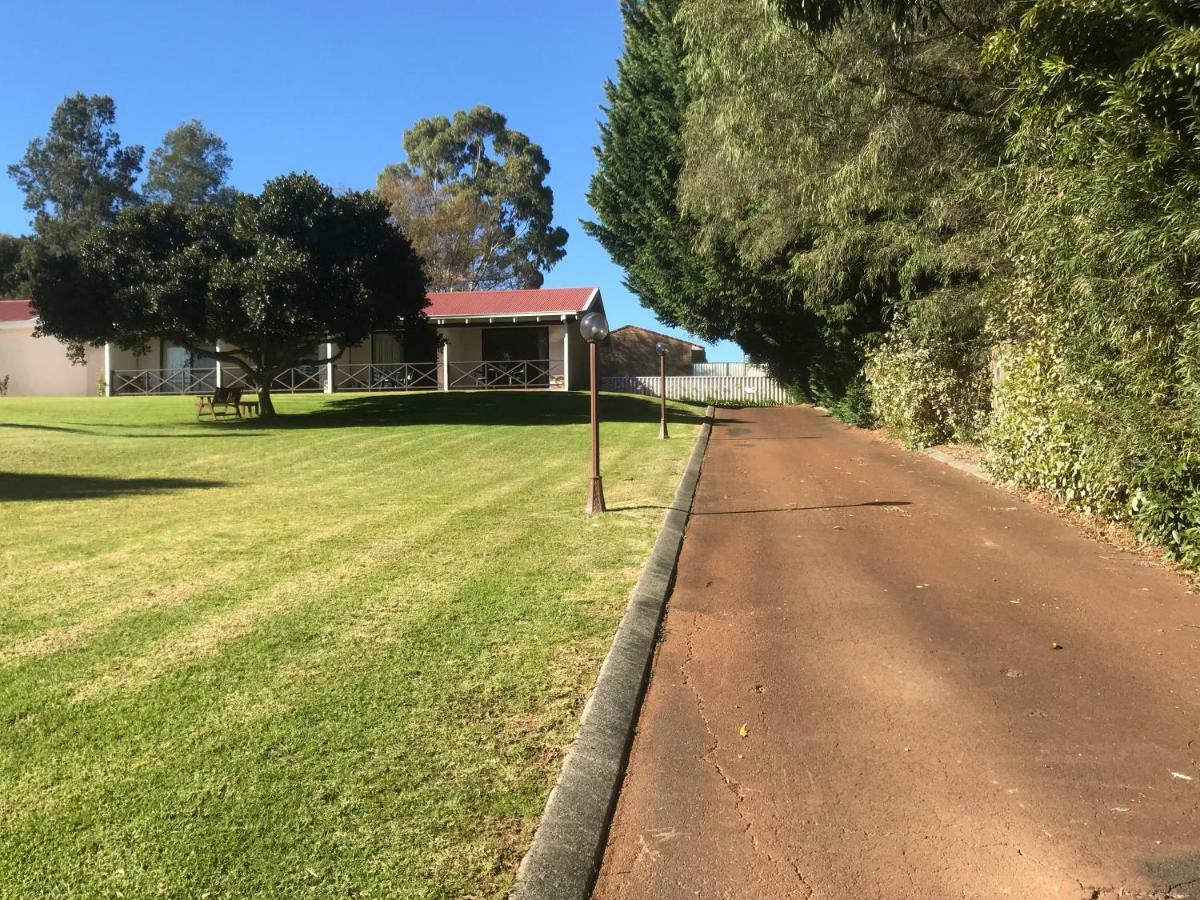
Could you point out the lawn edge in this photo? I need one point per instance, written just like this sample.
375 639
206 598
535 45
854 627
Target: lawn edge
568 847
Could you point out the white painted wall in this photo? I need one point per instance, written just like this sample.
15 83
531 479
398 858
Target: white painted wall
38 367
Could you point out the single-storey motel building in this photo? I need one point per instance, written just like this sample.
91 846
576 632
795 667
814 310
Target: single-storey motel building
486 339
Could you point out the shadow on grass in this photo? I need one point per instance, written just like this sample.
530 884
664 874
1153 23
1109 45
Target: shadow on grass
94 433
15 486
472 408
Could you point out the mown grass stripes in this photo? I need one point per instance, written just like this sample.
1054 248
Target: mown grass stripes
334 656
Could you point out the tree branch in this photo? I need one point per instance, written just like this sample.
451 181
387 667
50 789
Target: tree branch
943 105
977 38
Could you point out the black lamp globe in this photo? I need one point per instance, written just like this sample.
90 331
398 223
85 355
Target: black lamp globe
594 327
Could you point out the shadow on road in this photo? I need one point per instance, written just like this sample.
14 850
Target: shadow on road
1169 875
773 509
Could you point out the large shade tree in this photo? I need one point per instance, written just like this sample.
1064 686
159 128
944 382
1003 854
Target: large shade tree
268 280
472 194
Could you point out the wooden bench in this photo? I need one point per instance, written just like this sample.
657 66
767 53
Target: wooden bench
219 404
248 407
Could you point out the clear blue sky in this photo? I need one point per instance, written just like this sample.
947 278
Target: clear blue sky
328 88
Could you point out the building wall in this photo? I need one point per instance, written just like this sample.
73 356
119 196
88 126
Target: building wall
359 354
630 351
38 367
127 359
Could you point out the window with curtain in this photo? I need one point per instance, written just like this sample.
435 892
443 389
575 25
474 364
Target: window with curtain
386 348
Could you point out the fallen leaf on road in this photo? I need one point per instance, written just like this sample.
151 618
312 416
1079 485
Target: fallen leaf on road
744 731
1055 645
1177 775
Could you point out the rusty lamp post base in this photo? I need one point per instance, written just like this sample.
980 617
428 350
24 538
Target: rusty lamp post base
595 504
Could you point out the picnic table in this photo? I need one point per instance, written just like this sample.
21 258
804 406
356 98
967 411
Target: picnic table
219 403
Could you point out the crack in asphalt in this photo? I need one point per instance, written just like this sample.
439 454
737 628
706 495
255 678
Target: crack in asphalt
710 756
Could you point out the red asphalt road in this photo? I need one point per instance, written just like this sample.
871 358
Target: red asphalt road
883 627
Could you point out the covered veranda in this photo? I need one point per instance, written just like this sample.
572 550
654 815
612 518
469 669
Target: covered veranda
486 340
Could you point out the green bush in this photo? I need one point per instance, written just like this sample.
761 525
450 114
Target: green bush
1042 437
926 388
1089 425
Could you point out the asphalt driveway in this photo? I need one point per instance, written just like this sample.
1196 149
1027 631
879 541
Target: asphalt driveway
883 678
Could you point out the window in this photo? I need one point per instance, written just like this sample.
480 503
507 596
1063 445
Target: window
504 344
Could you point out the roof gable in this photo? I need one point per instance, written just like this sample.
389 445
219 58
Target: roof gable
16 311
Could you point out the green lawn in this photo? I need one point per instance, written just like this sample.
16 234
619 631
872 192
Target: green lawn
335 656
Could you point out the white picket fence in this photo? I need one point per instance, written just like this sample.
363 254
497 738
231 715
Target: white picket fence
749 390
729 368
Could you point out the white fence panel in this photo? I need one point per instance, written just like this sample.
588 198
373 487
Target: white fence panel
749 390
729 368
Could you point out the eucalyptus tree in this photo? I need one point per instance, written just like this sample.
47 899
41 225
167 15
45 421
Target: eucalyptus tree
191 167
78 175
472 194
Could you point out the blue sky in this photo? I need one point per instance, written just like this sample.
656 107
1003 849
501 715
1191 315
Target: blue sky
328 88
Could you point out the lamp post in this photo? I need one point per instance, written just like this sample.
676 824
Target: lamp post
661 349
594 328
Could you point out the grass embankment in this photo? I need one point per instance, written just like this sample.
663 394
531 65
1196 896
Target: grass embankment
333 656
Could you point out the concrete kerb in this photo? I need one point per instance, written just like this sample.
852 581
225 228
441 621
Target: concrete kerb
568 847
961 464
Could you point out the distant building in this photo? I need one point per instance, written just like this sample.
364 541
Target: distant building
486 339
39 366
629 351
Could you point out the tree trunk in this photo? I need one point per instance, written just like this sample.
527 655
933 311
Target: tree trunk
266 406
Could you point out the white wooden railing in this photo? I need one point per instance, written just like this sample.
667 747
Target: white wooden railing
163 381
507 375
522 374
386 377
301 379
750 391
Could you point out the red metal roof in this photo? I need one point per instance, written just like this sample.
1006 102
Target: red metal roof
442 305
554 301
16 311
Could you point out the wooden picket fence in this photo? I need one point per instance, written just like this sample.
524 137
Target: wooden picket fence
726 389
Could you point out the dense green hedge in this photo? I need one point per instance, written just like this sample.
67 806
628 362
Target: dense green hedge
962 219
1094 331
